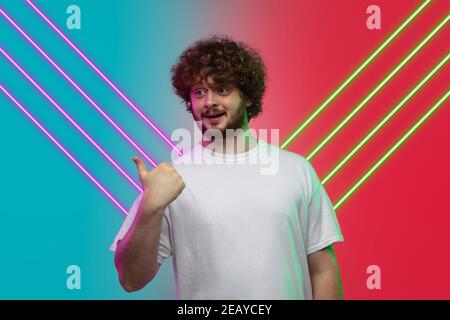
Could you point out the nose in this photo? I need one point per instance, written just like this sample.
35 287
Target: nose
210 99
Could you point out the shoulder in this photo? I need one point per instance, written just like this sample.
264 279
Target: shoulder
289 159
296 166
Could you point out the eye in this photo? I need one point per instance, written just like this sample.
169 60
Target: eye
223 91
199 92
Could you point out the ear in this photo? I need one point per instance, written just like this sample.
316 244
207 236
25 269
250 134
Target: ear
189 106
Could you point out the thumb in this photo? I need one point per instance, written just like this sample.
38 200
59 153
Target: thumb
140 165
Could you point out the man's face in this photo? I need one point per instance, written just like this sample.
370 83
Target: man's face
217 106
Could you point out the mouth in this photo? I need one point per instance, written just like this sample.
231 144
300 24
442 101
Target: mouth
214 116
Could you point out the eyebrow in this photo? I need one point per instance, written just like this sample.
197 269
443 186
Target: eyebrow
213 86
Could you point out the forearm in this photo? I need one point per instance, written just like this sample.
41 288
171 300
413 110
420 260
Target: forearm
324 272
136 254
326 285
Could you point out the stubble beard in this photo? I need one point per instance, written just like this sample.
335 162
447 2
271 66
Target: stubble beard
236 122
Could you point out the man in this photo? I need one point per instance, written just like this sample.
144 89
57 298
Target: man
233 232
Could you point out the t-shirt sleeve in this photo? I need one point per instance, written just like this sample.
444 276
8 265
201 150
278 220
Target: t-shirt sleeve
323 227
165 242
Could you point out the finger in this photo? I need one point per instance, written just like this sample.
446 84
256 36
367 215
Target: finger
140 165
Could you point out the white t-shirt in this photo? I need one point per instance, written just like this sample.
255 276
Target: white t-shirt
235 233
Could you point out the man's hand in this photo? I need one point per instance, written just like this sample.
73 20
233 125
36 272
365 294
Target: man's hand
161 186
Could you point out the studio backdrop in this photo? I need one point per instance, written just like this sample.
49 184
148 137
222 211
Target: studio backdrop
359 88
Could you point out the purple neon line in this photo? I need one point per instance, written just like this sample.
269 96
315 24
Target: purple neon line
73 83
67 153
102 75
73 122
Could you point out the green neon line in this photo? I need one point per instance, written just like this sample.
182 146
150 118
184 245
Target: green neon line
389 77
358 71
389 153
386 119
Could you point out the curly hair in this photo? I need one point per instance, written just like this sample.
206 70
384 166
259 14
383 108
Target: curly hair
227 62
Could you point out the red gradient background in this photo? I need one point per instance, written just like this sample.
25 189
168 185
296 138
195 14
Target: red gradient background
398 219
